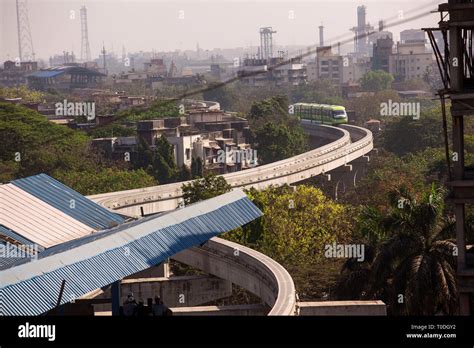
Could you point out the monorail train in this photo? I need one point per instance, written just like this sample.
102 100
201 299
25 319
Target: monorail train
321 113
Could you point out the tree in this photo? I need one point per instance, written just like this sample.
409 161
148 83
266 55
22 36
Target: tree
277 142
22 92
414 267
105 180
406 135
185 173
164 166
294 230
377 80
158 109
277 105
196 168
32 145
321 91
204 188
368 106
111 130
222 93
144 158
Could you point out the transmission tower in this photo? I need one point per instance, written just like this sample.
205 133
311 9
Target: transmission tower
25 42
85 48
266 42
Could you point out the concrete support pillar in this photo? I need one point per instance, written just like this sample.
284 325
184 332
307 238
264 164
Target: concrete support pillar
461 235
116 293
163 269
458 147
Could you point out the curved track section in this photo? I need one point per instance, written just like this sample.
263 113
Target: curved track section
247 268
243 266
350 142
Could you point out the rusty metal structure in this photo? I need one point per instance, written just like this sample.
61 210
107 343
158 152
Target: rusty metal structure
456 66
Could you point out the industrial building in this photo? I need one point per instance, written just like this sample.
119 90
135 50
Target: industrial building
15 74
65 78
260 72
411 60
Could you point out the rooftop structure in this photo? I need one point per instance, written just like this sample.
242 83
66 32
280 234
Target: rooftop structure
64 78
46 212
92 262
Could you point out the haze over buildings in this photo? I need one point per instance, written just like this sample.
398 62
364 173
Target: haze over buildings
181 25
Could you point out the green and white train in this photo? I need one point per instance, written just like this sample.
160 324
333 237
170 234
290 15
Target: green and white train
321 113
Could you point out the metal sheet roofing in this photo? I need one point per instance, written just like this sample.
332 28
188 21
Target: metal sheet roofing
69 201
58 70
6 232
10 254
32 288
37 221
46 74
7 258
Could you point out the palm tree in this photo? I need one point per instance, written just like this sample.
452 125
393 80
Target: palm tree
414 267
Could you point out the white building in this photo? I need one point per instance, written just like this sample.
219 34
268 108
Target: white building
411 61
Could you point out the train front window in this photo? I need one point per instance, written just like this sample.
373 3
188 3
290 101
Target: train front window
339 114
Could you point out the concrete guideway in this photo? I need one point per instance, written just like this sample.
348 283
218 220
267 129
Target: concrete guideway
250 269
350 143
243 266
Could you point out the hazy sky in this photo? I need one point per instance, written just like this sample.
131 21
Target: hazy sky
156 24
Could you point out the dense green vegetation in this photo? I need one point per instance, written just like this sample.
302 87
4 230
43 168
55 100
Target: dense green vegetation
276 134
375 81
160 108
412 260
22 92
32 145
398 209
204 188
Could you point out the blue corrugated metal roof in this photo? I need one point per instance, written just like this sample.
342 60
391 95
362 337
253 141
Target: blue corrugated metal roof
46 74
7 261
32 288
59 196
12 234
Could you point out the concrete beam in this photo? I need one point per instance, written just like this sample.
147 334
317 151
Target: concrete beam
346 168
159 271
288 171
175 291
239 310
342 308
247 268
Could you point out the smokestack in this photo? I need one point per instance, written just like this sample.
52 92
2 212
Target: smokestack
361 13
321 36
381 25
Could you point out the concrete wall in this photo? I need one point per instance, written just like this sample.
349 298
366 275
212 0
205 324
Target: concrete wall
239 310
247 268
175 291
344 308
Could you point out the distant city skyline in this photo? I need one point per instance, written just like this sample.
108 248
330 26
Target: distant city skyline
147 25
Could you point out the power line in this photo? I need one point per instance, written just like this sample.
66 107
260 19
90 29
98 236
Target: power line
310 50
